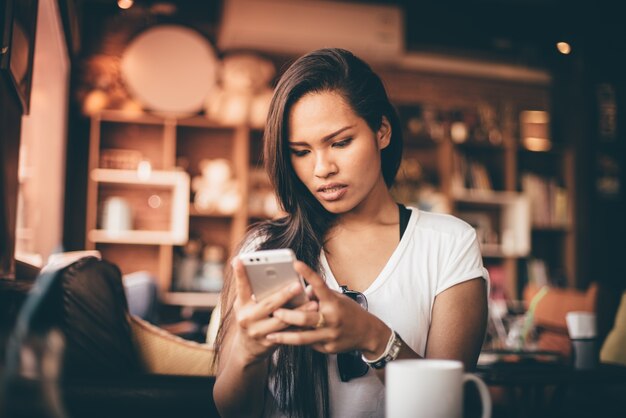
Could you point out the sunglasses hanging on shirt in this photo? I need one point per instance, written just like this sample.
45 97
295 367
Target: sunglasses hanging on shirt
349 363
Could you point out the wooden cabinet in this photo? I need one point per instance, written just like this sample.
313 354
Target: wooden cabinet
467 153
141 167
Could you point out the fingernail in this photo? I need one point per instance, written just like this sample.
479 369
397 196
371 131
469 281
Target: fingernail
278 314
271 337
295 288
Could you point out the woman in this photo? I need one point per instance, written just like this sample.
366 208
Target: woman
332 149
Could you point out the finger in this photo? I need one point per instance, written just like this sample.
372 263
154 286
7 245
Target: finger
311 306
261 328
321 347
301 337
298 318
242 284
319 286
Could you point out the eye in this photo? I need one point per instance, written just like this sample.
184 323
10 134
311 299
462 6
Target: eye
299 153
343 143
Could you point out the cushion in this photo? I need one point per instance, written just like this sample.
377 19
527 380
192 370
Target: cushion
552 308
614 348
550 314
165 353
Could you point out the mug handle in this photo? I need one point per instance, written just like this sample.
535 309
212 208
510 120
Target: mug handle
485 398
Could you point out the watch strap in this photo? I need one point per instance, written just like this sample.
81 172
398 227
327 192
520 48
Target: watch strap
391 352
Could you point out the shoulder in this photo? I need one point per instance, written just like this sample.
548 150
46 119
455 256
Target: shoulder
440 223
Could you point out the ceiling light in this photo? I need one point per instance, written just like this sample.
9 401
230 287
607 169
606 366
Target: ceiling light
125 4
564 48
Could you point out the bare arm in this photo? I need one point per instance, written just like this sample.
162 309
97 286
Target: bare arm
459 321
244 354
456 332
458 326
239 387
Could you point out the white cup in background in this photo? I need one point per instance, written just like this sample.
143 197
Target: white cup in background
430 389
116 215
581 327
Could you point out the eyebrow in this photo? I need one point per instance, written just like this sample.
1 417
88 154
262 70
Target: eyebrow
325 138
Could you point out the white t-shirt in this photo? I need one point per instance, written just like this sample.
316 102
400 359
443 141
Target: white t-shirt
436 252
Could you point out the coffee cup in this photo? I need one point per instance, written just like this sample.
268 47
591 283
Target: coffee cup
581 327
429 388
116 215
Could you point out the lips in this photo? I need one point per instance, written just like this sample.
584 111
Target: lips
332 192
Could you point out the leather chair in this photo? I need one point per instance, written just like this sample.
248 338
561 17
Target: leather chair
101 364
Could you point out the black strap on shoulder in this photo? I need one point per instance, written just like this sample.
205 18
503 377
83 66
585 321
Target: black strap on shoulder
405 215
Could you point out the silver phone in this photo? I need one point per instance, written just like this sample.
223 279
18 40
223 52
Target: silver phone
270 270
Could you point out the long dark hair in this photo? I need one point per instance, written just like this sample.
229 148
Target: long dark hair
300 375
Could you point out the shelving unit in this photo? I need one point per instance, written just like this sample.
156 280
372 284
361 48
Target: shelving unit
465 144
166 188
506 212
137 157
475 174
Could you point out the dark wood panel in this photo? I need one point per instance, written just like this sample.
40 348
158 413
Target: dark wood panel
10 129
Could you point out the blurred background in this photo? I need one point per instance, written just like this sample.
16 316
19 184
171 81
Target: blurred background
141 137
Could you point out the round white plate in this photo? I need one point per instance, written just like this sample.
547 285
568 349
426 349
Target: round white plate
170 69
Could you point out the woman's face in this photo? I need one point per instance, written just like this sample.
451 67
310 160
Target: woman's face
334 152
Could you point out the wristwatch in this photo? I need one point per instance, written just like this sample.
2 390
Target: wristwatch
390 353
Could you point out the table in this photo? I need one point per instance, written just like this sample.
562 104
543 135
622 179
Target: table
543 384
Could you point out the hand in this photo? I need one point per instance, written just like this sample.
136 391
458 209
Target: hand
254 320
346 325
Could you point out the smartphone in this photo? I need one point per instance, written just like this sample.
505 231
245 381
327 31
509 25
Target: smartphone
270 270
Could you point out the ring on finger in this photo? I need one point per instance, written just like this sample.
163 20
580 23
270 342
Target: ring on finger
321 321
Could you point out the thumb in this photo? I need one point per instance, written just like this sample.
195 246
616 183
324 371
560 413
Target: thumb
242 284
322 291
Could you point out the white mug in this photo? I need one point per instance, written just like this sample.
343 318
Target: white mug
429 388
116 215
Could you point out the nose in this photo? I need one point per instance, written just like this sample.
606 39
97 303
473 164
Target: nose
324 165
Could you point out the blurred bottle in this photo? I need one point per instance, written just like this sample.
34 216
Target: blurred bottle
187 265
211 278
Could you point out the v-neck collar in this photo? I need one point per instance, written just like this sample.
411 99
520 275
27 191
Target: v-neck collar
331 281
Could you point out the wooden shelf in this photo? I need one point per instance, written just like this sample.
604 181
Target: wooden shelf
148 118
151 178
159 193
192 299
138 237
134 117
486 197
177 181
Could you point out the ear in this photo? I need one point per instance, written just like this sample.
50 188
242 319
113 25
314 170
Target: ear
383 135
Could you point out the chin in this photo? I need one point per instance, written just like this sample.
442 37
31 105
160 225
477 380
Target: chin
337 207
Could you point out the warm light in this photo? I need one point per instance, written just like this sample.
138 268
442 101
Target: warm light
532 143
564 48
535 130
154 201
535 116
125 4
